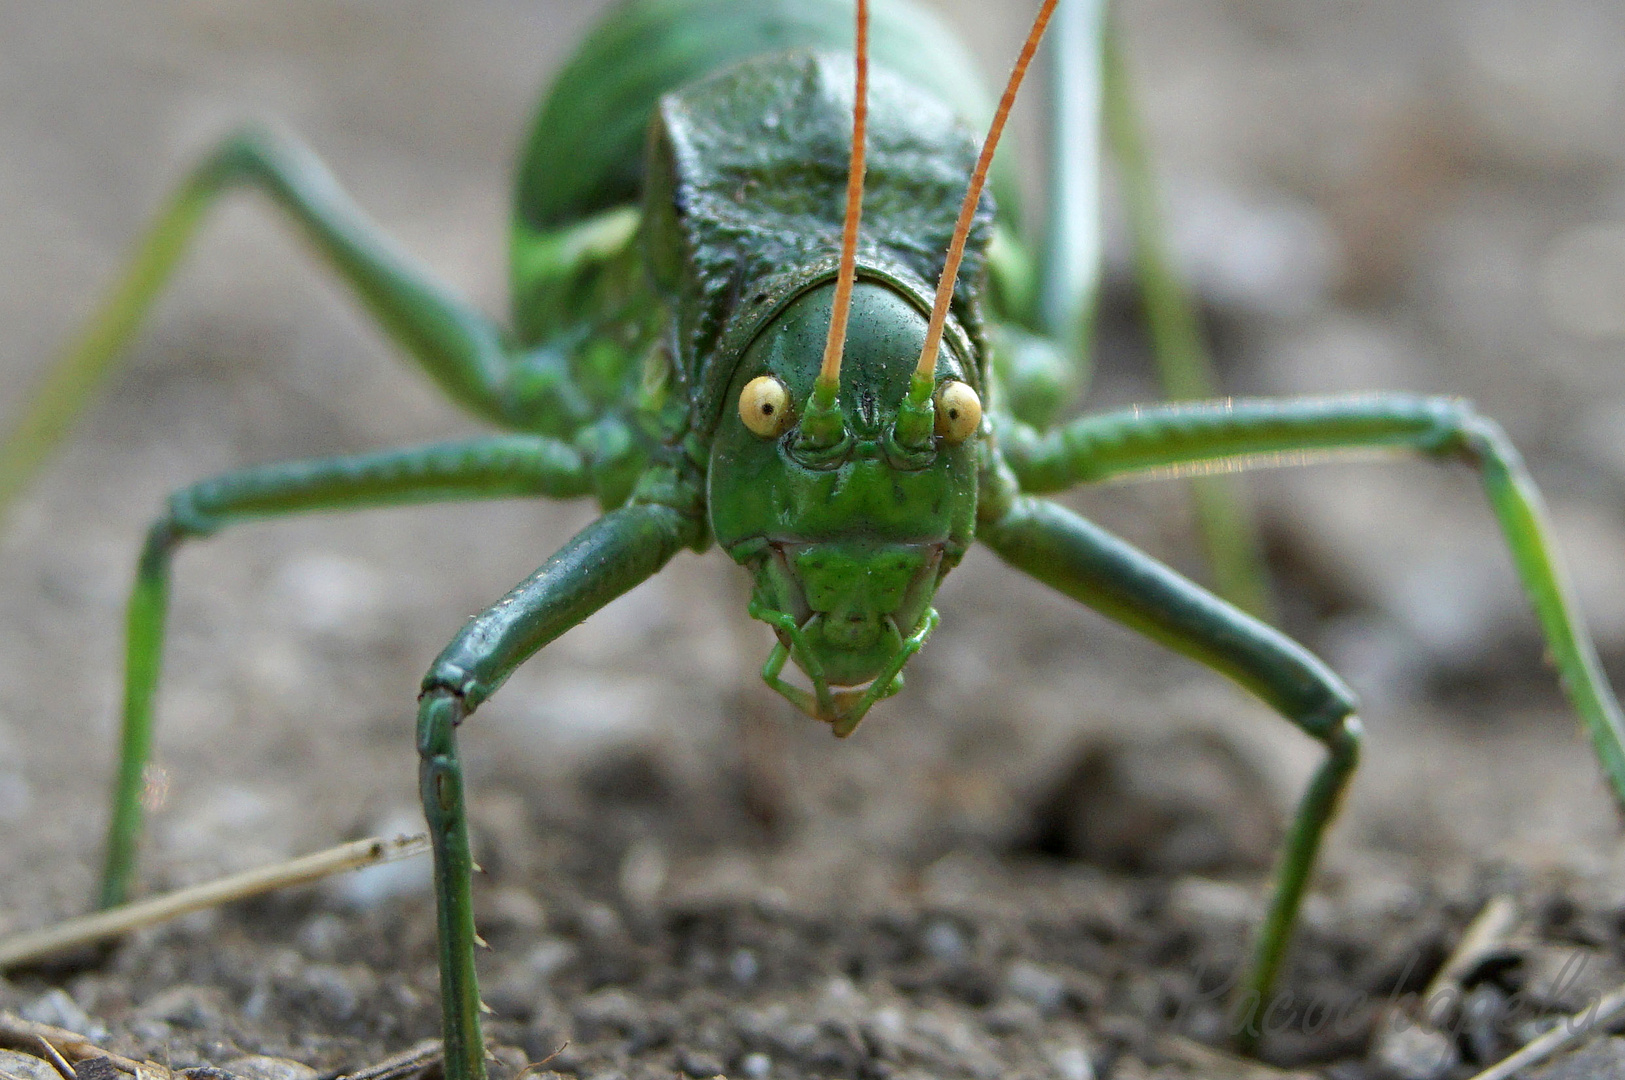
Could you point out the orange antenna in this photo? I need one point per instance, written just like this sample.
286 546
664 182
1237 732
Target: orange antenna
967 211
829 375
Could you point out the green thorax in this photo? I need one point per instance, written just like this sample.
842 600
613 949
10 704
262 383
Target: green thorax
584 153
744 193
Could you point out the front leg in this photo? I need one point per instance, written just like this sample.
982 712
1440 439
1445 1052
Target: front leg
1090 565
606 559
1248 433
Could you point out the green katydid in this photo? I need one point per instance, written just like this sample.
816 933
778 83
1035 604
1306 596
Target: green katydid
733 324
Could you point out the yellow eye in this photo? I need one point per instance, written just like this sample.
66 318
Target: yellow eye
959 411
764 406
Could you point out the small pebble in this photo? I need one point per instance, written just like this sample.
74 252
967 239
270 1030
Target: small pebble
743 966
643 873
1483 1016
193 1008
697 1065
1412 1052
1186 803
1073 1063
1602 1060
56 1008
322 935
100 1068
757 1066
611 1012
511 908
1014 1018
945 944
1034 985
264 1067
26 1066
338 992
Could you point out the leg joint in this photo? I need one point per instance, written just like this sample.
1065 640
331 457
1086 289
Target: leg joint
1465 432
439 712
1344 739
450 678
181 520
185 515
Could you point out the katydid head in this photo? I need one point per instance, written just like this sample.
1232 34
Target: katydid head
850 491
849 523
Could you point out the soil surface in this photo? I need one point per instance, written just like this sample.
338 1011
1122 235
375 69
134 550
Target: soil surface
1047 857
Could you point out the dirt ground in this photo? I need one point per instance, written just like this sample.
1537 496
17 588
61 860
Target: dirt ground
1046 857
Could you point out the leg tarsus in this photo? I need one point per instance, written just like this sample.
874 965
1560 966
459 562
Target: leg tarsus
1316 809
143 658
440 783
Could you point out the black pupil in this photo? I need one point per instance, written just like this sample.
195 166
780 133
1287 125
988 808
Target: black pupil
767 408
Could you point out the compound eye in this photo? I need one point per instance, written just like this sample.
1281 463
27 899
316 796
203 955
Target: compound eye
959 411
764 406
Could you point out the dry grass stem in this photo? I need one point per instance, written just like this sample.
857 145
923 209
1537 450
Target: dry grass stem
1484 935
1216 1064
1589 1022
87 929
58 1062
27 1036
404 1064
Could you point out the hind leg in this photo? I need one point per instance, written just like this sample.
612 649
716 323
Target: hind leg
463 350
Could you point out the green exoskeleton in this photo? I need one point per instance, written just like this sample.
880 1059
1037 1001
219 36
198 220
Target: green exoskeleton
706 340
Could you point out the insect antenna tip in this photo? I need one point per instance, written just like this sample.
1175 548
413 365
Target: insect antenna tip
829 374
973 195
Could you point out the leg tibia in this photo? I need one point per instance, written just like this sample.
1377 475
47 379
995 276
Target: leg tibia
440 783
460 347
143 658
1316 809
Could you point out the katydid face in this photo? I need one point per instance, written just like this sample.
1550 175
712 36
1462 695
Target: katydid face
847 542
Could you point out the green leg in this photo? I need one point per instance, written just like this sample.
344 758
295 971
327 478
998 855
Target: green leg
440 784
1088 564
1250 433
499 467
616 552
1235 553
459 347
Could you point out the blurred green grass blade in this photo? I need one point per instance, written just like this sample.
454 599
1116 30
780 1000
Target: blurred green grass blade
66 389
1223 511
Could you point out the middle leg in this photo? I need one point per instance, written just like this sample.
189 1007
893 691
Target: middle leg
489 468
